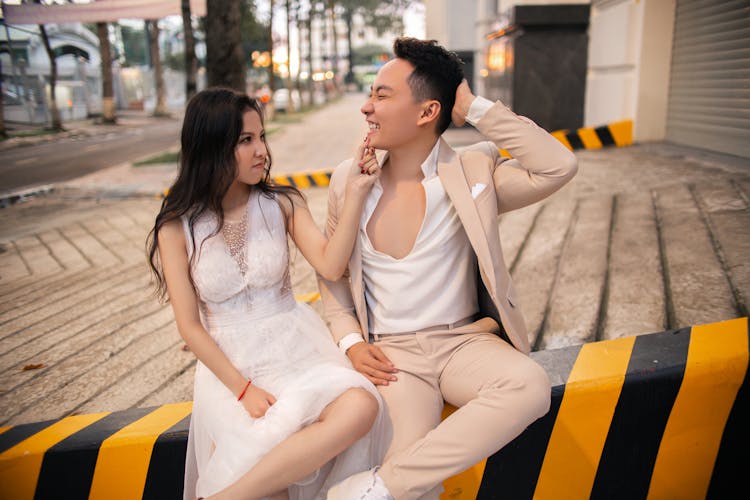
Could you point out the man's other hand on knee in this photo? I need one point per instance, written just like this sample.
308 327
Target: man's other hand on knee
370 361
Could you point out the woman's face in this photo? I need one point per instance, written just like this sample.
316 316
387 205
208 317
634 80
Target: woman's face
251 149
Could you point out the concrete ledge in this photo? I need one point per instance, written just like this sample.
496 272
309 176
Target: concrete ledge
659 416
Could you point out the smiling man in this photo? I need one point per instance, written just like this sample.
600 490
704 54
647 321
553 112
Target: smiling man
428 312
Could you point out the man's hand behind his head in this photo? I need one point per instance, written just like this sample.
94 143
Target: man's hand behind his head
464 98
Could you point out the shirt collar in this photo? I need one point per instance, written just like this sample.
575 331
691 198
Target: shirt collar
429 166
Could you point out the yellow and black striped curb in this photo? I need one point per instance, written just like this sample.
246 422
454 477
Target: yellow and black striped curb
9 199
657 416
300 180
303 180
613 134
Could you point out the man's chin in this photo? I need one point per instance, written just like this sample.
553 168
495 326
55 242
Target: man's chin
378 143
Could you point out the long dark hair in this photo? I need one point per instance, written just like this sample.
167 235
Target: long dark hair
211 130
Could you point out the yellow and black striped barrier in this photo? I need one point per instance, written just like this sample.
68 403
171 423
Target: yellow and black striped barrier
303 180
300 180
613 134
655 416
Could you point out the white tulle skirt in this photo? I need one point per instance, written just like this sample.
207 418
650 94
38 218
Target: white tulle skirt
291 355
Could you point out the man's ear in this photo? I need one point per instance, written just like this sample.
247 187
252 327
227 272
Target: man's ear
430 112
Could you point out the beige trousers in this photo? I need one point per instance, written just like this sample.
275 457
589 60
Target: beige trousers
498 390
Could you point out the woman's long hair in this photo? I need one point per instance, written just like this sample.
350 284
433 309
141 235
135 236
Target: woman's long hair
211 130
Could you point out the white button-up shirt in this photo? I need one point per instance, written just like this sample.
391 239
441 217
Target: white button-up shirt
435 283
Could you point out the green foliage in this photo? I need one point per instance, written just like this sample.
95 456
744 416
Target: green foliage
135 45
254 32
382 15
369 54
165 157
175 61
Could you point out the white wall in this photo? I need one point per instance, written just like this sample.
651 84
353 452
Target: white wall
451 23
630 47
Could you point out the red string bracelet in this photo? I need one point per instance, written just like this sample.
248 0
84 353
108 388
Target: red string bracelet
239 398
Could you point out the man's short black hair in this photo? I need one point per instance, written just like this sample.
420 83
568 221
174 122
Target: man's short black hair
437 74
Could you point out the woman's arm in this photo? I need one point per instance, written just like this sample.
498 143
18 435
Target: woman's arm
174 261
330 257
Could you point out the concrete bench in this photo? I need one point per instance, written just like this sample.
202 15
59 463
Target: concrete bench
663 415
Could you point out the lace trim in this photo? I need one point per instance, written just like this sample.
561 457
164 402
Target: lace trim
235 238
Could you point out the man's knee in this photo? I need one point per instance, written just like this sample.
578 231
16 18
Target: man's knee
529 385
538 389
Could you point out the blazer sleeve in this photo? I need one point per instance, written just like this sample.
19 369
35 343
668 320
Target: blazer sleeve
338 304
540 164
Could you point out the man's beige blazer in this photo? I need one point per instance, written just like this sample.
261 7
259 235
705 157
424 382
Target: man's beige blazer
540 165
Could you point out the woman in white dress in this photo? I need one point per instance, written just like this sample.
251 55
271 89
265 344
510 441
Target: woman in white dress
278 412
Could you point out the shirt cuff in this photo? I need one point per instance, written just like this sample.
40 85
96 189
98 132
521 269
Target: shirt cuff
479 106
349 340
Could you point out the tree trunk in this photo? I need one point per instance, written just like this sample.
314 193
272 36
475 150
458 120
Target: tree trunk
271 85
289 87
225 64
54 111
310 14
108 93
350 70
3 131
335 60
152 28
191 62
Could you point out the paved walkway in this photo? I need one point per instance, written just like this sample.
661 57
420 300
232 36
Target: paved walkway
644 239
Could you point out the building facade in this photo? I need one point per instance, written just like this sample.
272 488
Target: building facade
679 69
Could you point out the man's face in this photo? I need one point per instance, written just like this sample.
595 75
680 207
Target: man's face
391 111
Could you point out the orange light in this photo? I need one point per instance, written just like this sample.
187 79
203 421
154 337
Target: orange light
261 60
496 57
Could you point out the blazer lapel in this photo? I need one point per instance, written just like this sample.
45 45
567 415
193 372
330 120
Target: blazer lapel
355 271
357 286
451 173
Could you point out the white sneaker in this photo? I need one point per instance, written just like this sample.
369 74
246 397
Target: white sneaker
365 485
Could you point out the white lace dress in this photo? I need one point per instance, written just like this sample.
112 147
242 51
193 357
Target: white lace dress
247 306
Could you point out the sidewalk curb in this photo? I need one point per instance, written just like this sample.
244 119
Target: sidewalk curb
9 199
662 414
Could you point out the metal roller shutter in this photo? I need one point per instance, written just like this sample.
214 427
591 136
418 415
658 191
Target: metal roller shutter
709 95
